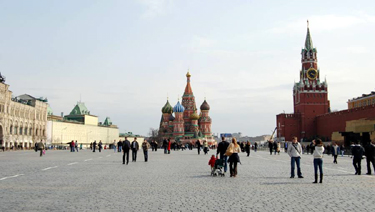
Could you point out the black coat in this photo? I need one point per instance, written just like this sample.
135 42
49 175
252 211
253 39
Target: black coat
126 145
357 152
370 151
222 147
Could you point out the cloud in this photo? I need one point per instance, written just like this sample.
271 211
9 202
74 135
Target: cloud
324 23
155 8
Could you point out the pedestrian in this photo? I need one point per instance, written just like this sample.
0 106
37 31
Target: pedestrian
72 145
135 148
222 147
100 146
318 159
335 151
295 151
145 147
255 146
165 146
156 145
234 158
125 149
370 156
76 145
91 146
114 146
270 146
41 147
278 147
247 148
36 146
342 148
357 152
169 146
205 147
286 146
199 145
275 146
120 145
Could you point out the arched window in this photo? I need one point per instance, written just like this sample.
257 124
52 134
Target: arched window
11 130
21 130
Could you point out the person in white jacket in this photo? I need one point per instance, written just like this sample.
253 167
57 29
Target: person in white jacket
295 151
318 159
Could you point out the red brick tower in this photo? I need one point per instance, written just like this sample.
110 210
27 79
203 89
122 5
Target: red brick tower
205 120
178 122
310 95
188 101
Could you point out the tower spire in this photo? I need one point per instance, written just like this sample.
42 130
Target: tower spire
308 41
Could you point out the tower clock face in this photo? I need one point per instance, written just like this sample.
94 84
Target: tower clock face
312 74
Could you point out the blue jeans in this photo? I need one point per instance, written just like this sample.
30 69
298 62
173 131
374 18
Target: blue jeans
318 162
225 162
146 155
293 162
120 148
114 148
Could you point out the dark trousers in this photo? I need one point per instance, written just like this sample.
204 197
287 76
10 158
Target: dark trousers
357 165
145 152
271 151
335 159
41 152
126 152
165 150
199 150
370 160
93 150
293 162
233 168
318 163
225 161
134 155
248 152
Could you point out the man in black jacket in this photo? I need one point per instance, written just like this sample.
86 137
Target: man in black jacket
125 149
135 148
222 147
94 146
165 145
357 152
199 146
370 156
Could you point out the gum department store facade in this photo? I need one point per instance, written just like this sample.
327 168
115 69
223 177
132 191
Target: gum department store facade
22 121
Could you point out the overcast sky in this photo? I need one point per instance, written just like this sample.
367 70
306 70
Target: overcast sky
124 57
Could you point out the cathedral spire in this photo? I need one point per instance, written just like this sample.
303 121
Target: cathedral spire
188 90
308 41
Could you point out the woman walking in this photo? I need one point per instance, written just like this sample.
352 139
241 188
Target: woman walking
234 158
318 159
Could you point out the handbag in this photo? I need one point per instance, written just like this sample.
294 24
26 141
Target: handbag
229 151
44 151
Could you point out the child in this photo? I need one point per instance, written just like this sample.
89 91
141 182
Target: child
211 162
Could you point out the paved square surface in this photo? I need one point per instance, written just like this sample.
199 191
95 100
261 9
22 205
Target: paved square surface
181 181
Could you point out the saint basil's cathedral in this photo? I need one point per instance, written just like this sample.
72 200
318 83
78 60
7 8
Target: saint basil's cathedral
186 125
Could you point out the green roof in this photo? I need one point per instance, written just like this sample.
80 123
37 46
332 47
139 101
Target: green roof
49 110
80 109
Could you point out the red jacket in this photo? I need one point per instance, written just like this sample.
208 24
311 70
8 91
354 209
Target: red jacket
212 161
169 145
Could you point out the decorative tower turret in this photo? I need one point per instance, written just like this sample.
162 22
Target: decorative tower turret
309 94
205 120
164 123
188 101
178 123
194 127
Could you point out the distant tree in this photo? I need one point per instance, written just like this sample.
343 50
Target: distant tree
153 135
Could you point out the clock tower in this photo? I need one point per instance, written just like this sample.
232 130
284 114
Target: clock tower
310 94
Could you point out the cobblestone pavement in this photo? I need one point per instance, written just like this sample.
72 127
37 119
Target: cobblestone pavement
181 181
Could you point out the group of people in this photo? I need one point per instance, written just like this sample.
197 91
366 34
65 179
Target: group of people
274 146
73 146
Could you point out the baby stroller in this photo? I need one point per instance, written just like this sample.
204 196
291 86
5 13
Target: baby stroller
218 168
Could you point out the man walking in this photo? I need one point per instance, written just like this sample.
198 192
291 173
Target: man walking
295 151
120 144
165 145
135 147
222 147
199 146
270 146
357 152
145 147
76 145
370 156
93 146
41 147
335 152
125 149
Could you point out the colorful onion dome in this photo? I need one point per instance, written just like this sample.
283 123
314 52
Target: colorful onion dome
167 108
178 108
205 106
194 116
171 118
